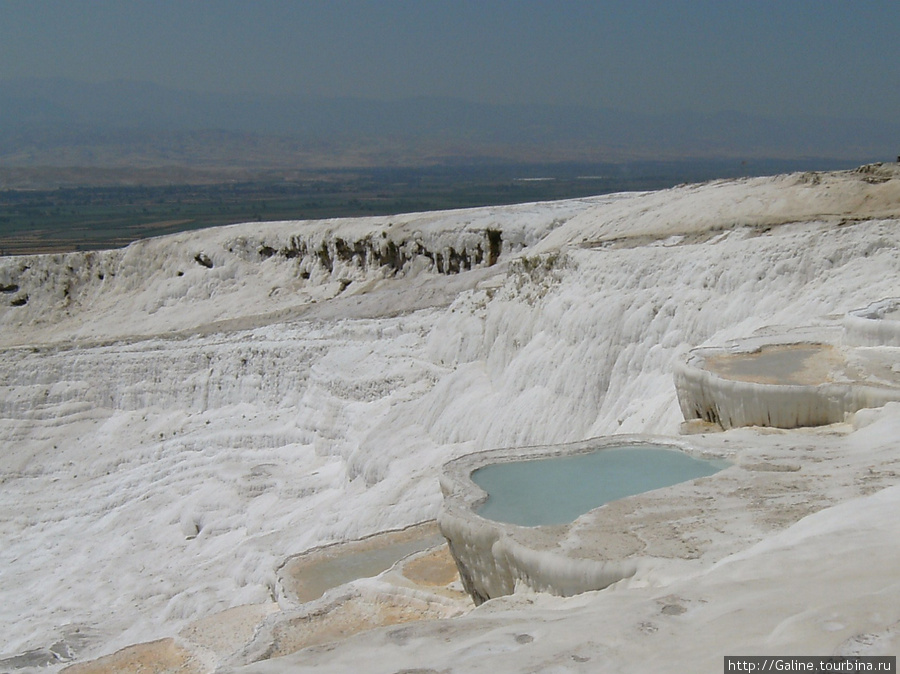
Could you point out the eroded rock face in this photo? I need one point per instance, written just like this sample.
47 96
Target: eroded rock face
65 280
273 267
392 255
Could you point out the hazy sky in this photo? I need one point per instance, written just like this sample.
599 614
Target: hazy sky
780 57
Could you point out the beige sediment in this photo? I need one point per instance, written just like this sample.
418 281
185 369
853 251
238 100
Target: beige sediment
435 568
164 656
294 574
814 364
220 632
423 586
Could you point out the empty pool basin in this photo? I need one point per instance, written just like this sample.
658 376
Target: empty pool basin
510 515
784 385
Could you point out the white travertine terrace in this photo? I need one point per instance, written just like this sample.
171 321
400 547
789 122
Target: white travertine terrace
593 552
784 385
772 483
495 558
875 325
172 432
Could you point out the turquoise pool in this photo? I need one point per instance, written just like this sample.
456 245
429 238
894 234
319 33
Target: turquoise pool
556 490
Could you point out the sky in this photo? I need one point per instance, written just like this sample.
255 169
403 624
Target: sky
777 58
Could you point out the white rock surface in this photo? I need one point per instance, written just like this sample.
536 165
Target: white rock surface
167 440
874 325
831 384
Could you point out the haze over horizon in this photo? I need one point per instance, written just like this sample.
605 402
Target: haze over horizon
775 59
405 82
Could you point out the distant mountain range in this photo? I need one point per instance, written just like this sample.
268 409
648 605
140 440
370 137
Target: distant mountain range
58 122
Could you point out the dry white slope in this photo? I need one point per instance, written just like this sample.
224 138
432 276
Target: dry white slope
268 406
829 585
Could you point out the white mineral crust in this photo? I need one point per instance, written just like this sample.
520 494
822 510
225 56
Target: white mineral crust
171 431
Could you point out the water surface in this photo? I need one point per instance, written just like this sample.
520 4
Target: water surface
556 490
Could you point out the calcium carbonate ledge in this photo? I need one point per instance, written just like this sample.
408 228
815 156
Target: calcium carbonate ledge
875 325
785 385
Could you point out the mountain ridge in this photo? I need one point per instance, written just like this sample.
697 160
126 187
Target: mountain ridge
125 122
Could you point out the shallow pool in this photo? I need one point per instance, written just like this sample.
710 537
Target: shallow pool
307 577
802 364
556 490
